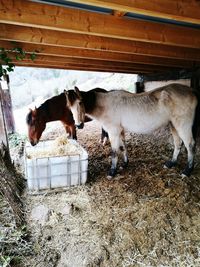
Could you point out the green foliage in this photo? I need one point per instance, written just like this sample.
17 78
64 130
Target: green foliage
6 64
5 261
16 139
15 246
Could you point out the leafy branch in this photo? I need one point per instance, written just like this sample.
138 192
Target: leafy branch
6 61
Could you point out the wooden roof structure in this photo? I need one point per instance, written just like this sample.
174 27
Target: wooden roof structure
127 36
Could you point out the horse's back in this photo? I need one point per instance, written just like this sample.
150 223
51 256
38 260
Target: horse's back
143 113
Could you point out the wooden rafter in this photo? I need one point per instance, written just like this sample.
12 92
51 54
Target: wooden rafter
79 67
186 11
95 55
48 60
26 13
65 39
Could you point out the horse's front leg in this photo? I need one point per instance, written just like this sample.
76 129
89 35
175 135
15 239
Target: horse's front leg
123 150
70 130
73 131
115 143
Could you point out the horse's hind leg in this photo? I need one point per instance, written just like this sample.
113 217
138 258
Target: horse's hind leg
190 146
177 147
104 137
185 132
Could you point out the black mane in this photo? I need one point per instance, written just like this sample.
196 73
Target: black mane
29 118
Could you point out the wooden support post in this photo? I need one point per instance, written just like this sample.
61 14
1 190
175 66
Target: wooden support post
139 87
195 82
3 133
7 105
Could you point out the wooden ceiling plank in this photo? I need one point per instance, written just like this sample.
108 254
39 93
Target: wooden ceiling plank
64 39
99 63
185 11
69 66
26 13
94 54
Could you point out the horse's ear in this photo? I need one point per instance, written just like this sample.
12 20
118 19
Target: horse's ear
77 91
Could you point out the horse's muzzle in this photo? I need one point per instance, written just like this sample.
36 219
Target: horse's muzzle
80 126
33 143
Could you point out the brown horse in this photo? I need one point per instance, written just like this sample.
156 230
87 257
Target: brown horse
118 111
54 109
51 110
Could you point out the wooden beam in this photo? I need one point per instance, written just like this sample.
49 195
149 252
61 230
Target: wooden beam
45 16
95 54
66 66
98 63
186 11
64 39
118 13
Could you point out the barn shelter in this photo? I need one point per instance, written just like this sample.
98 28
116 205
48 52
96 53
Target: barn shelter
158 41
146 216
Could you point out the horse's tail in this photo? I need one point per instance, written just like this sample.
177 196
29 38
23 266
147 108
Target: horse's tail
196 122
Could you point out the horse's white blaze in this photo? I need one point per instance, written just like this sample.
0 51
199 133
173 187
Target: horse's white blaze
75 112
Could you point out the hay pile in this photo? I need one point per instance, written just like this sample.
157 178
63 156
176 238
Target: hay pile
146 216
59 147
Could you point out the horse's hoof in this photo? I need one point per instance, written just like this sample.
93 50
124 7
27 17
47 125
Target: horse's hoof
109 177
169 164
111 174
187 172
124 165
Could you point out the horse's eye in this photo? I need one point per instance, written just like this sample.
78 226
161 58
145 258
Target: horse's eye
80 103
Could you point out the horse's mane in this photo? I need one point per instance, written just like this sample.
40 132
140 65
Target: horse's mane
29 118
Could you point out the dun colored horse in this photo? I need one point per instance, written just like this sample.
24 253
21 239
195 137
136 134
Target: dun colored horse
120 111
51 110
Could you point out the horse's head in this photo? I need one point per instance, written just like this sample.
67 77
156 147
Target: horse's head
36 125
75 103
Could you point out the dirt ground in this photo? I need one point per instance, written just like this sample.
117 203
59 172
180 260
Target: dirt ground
145 216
